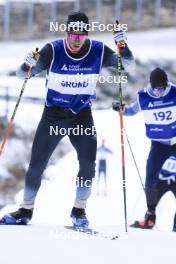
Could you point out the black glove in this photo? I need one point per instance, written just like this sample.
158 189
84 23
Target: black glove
117 107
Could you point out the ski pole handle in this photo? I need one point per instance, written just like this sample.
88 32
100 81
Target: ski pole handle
119 68
36 56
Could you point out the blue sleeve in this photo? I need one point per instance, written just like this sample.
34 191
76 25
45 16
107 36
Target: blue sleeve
132 109
108 150
104 149
110 58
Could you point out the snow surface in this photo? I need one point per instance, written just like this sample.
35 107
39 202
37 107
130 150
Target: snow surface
42 244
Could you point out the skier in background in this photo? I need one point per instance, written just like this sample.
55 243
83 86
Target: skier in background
68 105
158 104
102 155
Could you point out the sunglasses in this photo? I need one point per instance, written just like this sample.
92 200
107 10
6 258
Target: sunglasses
77 37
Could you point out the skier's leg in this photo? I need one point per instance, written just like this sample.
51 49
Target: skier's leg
86 146
98 181
174 192
105 181
157 156
44 144
162 188
86 149
150 217
174 225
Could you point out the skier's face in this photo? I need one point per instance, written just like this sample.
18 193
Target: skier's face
76 41
159 91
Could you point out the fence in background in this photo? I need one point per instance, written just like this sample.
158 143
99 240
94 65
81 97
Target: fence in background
24 19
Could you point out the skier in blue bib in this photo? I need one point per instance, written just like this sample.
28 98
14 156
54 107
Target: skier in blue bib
73 65
158 104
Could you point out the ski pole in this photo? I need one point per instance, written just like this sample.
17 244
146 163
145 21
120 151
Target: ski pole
134 159
119 46
10 123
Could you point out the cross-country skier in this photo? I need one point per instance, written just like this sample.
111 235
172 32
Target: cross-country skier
102 155
68 104
158 104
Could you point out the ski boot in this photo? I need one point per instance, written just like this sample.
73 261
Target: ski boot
147 223
79 218
20 217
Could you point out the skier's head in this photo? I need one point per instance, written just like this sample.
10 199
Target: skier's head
77 30
158 81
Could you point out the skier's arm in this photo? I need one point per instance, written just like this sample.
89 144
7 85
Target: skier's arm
46 54
127 59
131 109
109 151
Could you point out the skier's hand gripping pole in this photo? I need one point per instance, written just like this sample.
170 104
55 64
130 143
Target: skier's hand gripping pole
10 123
120 43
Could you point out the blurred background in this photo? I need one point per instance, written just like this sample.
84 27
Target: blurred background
25 25
30 19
